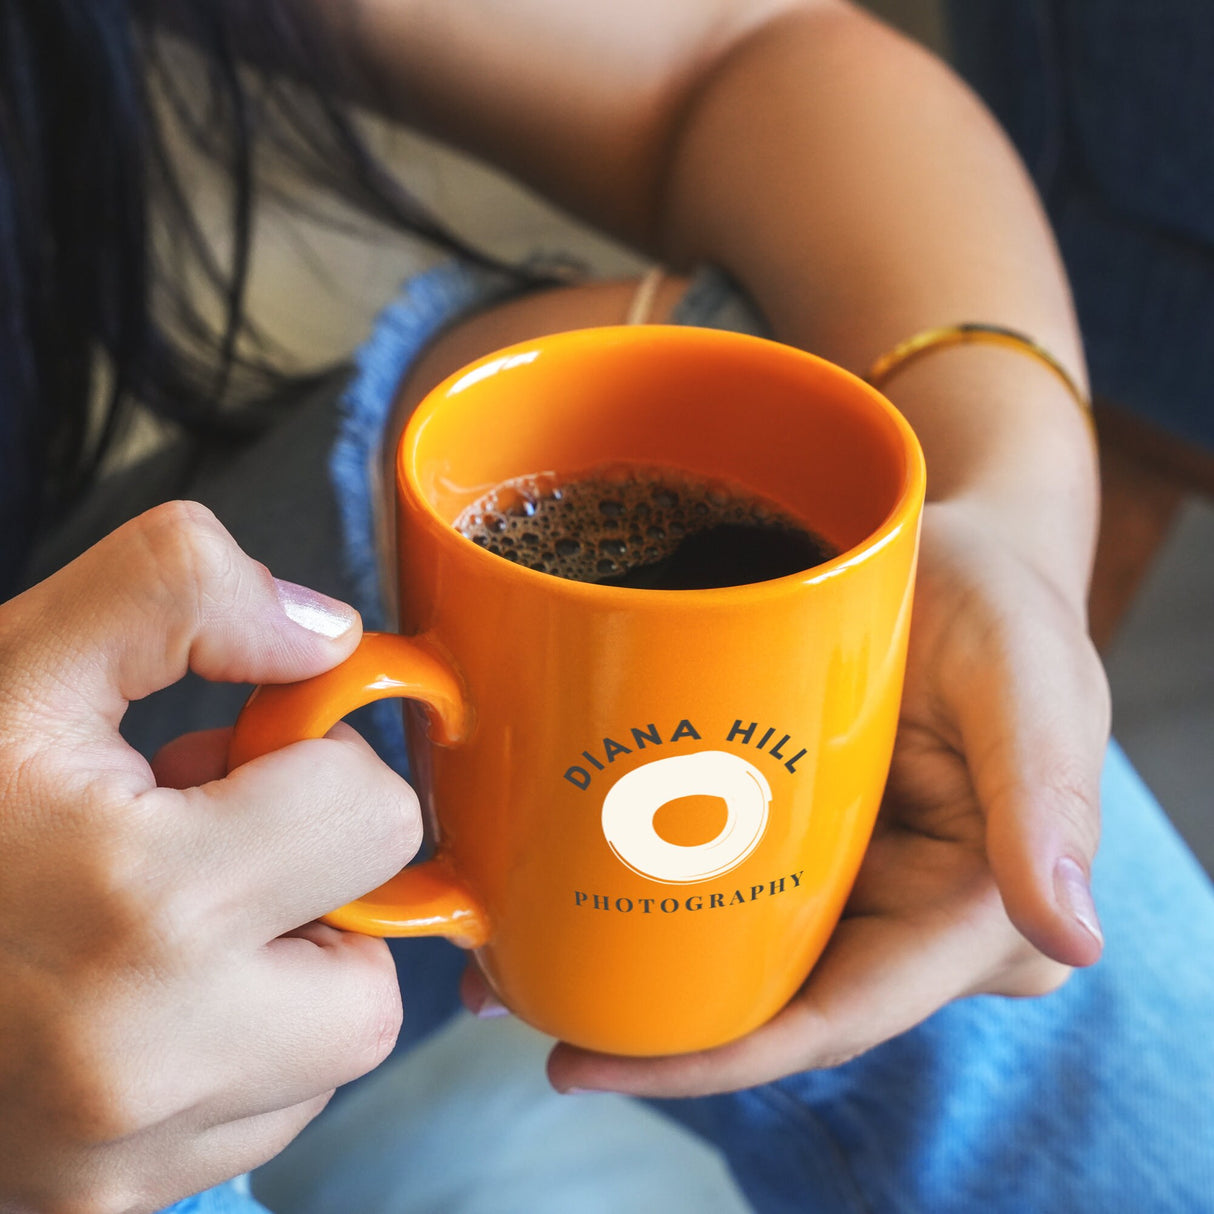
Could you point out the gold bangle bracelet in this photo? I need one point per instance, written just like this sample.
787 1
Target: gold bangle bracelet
905 352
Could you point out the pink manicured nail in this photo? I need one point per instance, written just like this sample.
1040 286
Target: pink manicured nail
316 612
489 1008
1074 895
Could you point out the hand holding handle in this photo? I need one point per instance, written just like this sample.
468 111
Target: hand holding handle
425 899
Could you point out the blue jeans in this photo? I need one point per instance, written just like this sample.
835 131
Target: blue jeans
1099 1097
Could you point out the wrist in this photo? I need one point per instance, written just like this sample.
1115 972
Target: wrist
1006 440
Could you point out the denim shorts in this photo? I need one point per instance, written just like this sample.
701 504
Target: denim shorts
1099 1097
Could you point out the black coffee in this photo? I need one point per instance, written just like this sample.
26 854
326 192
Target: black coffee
651 529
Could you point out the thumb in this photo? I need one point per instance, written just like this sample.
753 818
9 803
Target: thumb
1035 736
168 592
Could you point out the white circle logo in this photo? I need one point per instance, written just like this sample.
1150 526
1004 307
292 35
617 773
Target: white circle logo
634 800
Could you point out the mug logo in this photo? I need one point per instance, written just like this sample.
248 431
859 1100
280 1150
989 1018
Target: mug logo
630 807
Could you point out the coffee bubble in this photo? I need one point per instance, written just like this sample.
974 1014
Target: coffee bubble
642 526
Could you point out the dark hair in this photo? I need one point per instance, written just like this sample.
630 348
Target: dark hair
87 188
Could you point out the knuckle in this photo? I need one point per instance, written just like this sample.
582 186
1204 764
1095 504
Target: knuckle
179 515
174 525
411 833
397 816
1064 792
368 790
382 1015
391 803
1074 799
187 549
385 1019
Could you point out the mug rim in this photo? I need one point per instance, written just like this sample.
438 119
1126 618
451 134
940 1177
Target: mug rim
909 499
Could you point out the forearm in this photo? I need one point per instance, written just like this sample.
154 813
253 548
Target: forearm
845 177
862 195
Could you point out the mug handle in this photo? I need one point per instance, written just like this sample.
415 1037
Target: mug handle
425 899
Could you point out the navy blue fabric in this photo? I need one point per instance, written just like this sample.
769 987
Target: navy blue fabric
1111 104
18 500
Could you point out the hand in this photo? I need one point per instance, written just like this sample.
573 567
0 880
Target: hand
976 879
165 1021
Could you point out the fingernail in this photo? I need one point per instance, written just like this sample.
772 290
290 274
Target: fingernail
489 1009
316 612
1074 894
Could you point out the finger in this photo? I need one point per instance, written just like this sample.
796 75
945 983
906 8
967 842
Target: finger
202 756
193 759
269 1028
315 1010
477 995
168 592
879 977
906 869
1034 726
191 1162
287 837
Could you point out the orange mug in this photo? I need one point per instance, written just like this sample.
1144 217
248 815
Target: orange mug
557 718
